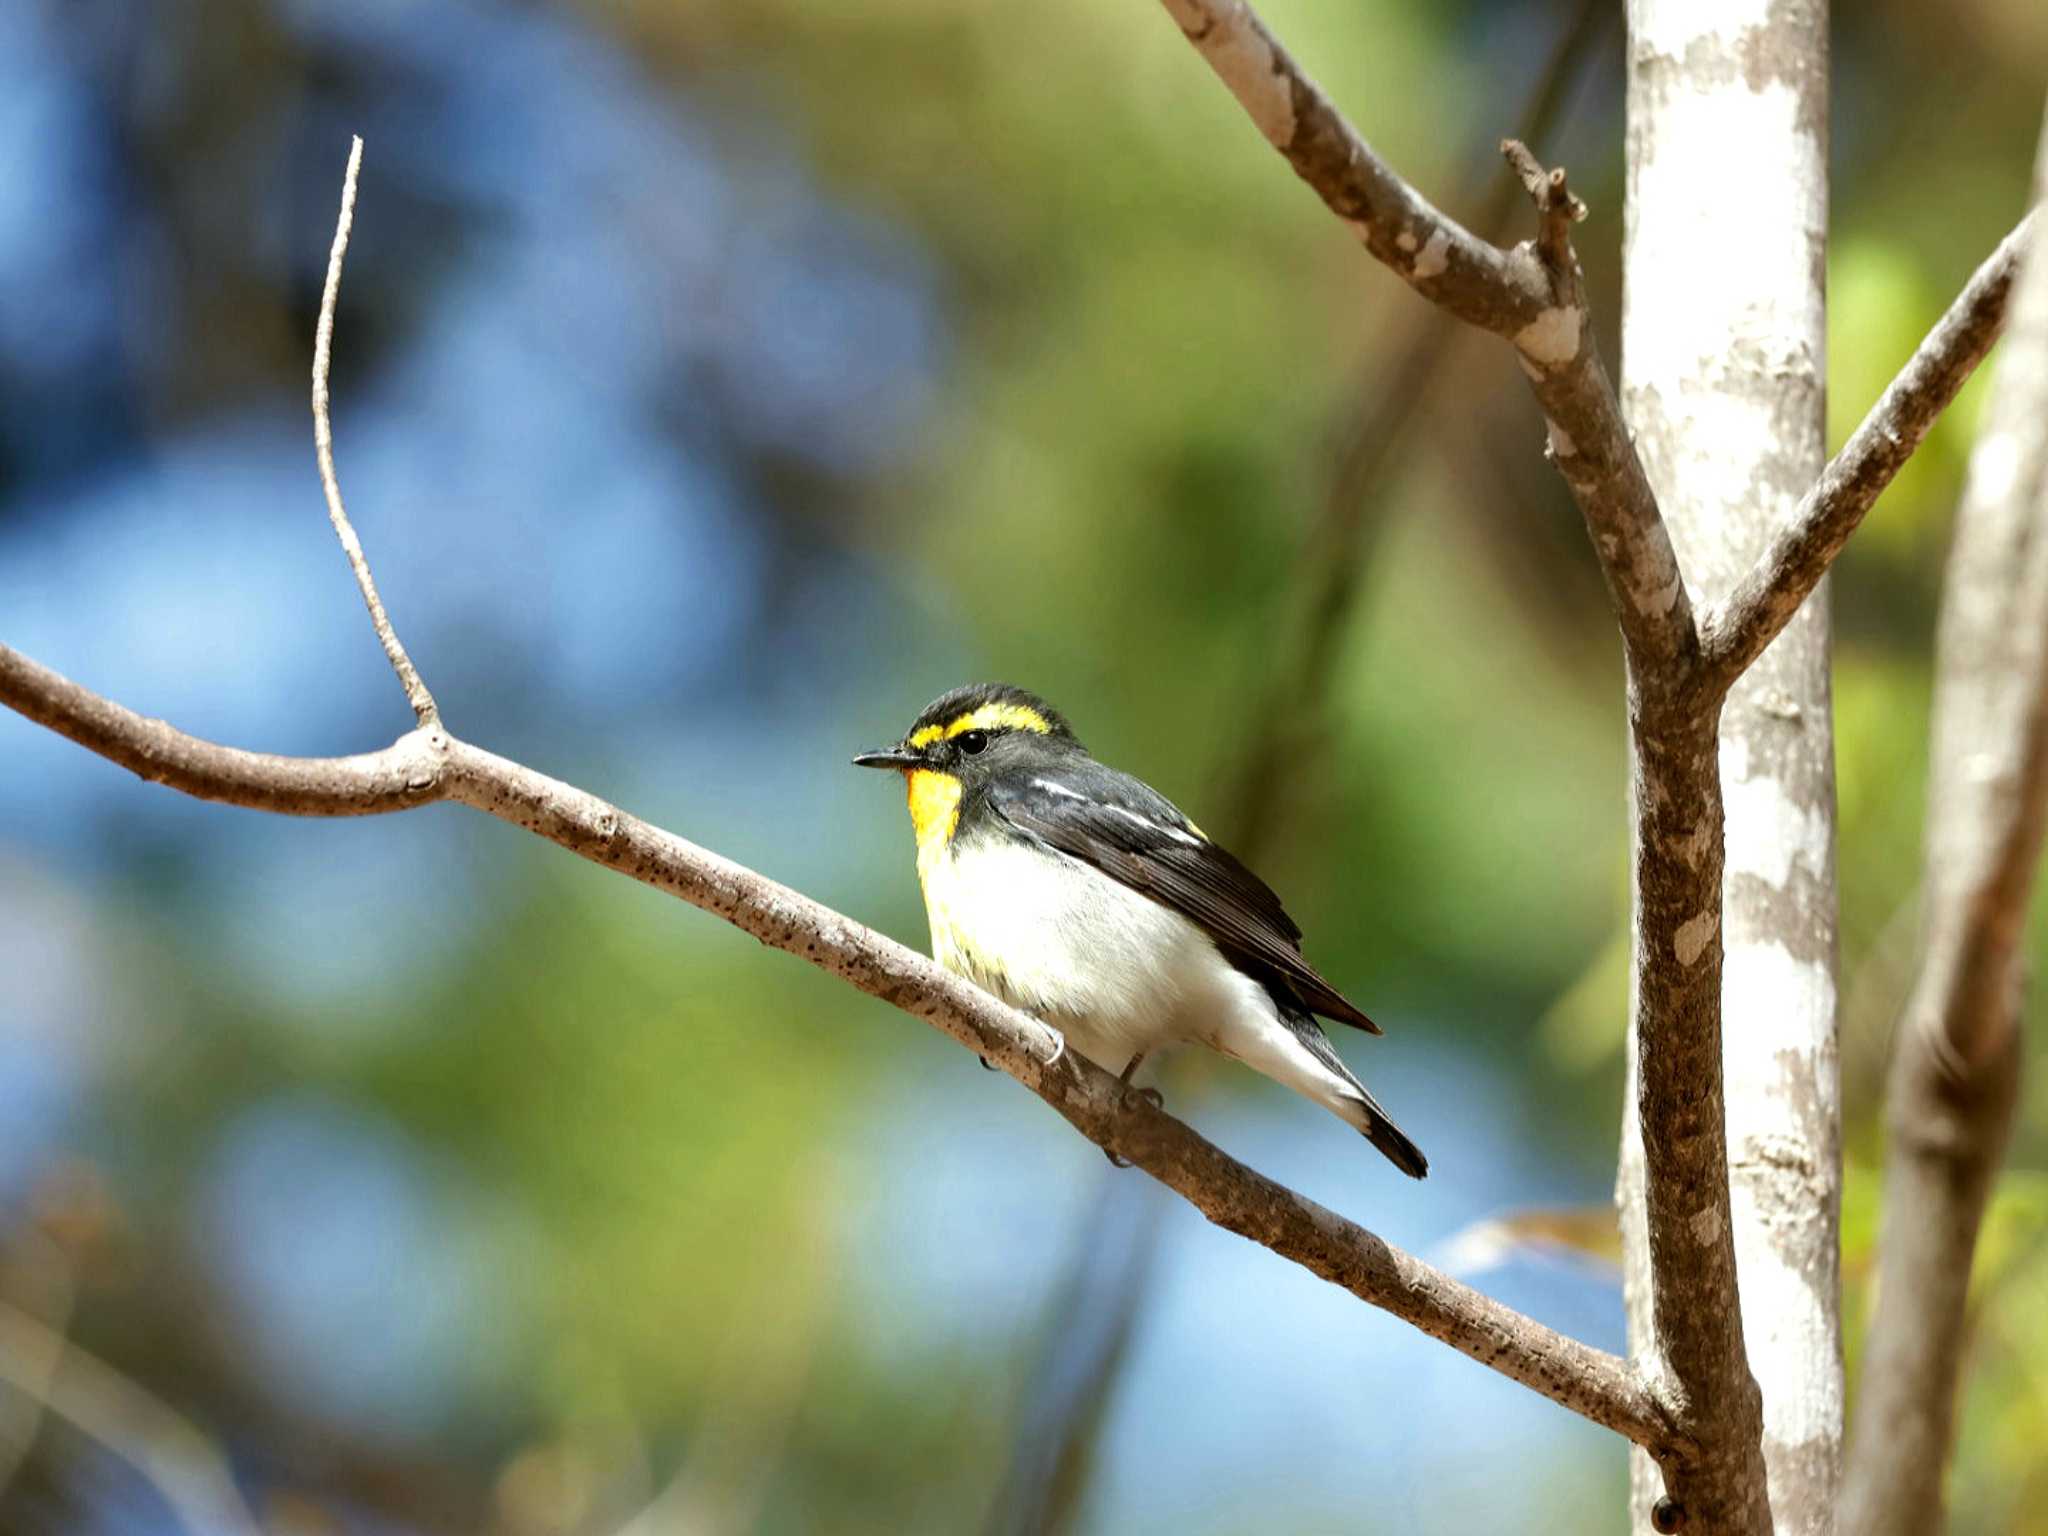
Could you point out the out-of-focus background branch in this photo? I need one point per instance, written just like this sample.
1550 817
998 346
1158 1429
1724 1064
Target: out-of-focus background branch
1958 1055
1269 769
836 354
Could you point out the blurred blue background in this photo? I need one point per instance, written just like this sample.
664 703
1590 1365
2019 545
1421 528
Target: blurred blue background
715 383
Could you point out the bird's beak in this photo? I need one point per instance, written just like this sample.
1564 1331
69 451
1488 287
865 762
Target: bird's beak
889 757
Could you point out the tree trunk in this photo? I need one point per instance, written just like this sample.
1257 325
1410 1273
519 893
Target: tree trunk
1723 347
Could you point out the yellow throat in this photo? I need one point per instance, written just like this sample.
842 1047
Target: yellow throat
934 813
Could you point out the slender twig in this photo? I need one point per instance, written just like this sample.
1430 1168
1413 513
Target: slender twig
1956 1063
429 765
1558 208
128 1420
416 694
1735 635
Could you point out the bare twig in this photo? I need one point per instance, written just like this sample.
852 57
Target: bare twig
428 765
1557 208
135 1424
422 702
1735 635
1955 1069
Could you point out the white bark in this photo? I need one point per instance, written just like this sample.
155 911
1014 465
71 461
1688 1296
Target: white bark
1723 338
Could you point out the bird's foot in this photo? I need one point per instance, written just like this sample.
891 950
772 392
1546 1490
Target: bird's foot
1151 1096
1059 1048
986 1064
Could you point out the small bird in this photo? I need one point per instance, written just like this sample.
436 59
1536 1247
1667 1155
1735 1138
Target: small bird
1083 896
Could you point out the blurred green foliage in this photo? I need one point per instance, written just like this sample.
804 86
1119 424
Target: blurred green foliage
650 1128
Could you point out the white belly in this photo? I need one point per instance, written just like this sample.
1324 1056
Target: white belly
1116 973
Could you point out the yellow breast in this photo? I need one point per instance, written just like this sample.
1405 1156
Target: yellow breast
934 813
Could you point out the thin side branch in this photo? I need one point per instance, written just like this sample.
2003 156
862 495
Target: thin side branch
422 702
1956 1065
1761 606
1530 296
429 765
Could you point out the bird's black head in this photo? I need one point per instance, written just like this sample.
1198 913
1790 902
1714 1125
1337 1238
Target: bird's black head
974 731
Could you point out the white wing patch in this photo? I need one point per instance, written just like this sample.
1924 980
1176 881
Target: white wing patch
1052 788
1149 823
1154 826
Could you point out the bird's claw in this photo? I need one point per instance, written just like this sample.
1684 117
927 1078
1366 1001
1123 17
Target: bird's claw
1151 1096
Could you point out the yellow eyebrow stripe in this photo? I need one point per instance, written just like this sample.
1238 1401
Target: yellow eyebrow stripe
990 717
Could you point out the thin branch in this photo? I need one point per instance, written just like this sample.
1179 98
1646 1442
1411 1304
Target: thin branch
135 1424
1532 299
1760 607
429 765
423 707
1956 1067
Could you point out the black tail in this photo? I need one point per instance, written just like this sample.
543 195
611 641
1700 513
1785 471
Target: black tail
1390 1139
1371 1120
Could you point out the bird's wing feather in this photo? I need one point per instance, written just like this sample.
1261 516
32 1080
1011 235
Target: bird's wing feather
1139 838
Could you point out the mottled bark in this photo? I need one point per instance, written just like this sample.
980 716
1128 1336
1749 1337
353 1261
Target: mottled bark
1956 1063
1724 336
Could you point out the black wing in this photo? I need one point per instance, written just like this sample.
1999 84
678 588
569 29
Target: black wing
1138 837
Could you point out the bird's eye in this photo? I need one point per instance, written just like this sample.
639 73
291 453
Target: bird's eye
972 742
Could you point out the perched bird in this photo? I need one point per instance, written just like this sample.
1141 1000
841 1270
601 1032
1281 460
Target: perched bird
1085 897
